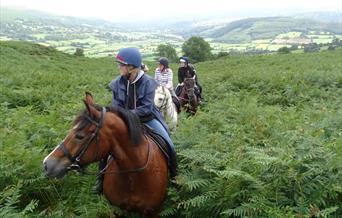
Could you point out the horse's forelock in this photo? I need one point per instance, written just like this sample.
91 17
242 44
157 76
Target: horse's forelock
81 120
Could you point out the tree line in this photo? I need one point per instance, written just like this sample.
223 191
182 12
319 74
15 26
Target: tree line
196 48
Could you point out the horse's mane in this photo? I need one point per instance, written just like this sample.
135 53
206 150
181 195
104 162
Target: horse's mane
131 120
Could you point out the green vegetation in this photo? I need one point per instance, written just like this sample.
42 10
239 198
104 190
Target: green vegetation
284 50
197 49
79 52
167 51
267 142
247 30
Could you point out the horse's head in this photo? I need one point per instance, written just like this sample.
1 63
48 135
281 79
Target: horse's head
95 134
189 86
187 95
81 145
162 95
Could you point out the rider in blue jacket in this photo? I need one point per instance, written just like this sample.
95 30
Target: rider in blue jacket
134 91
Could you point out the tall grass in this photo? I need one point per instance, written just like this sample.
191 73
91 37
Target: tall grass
266 143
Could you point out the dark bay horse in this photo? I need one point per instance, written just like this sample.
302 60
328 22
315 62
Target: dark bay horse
135 179
187 96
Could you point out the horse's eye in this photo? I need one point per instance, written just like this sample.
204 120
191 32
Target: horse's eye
79 136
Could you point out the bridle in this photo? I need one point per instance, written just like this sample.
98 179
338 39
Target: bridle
75 160
190 91
163 105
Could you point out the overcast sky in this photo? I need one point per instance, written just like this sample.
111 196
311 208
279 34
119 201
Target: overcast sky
128 10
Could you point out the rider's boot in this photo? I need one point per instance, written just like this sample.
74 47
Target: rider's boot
173 166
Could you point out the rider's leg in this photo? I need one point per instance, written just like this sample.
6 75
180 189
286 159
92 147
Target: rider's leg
198 94
178 89
175 100
173 93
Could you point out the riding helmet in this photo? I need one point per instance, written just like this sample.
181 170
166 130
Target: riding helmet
164 61
184 59
129 56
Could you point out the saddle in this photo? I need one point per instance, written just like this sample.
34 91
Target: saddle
158 139
169 154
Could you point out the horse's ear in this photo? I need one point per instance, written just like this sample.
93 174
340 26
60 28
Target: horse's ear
89 103
89 99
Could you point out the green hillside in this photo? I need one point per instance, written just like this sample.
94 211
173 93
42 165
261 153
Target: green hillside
250 29
99 38
266 143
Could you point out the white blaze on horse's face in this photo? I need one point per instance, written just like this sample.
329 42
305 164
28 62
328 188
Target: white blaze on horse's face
55 166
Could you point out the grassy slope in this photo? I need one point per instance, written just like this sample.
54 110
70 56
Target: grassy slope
250 29
269 136
240 31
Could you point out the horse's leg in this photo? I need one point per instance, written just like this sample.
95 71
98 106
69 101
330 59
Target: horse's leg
152 214
193 105
174 117
171 112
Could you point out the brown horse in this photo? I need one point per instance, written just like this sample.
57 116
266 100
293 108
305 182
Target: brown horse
187 96
135 179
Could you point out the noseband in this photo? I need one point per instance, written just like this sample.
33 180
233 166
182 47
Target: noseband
75 160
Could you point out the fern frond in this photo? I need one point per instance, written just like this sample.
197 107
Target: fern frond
198 200
241 211
196 184
168 212
327 212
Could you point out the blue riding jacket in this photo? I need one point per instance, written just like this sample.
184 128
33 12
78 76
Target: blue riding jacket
143 88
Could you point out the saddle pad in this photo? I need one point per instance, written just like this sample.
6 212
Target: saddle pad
158 139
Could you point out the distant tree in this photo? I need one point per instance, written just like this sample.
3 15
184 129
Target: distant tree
79 52
337 42
222 54
197 49
284 50
311 47
167 51
293 47
331 48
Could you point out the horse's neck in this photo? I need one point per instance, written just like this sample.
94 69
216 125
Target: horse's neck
168 99
124 152
129 156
